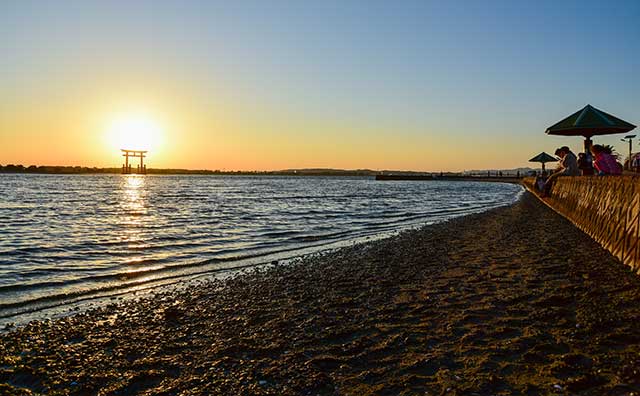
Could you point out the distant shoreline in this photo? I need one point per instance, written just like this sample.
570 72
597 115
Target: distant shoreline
150 171
79 170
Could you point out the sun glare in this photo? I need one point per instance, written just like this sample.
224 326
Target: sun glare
135 132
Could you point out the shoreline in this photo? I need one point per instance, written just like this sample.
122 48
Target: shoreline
512 300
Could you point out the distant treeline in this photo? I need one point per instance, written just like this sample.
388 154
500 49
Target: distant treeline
71 170
74 170
55 169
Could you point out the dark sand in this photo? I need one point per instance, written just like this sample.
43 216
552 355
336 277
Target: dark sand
513 301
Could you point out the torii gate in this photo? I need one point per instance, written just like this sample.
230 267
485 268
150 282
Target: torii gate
126 167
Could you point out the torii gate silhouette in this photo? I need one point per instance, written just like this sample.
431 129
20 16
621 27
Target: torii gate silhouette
126 167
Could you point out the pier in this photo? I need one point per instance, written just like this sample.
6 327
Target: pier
436 177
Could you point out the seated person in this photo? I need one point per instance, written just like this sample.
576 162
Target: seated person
604 161
584 164
568 167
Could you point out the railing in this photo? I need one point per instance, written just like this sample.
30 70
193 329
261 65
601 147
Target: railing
607 208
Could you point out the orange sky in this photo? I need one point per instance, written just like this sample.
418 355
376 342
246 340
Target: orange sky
75 135
199 132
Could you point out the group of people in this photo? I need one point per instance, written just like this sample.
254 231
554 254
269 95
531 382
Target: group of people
599 161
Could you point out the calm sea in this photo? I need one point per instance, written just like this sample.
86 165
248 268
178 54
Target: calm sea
65 239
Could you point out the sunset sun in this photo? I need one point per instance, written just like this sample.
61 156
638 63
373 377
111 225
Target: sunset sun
135 132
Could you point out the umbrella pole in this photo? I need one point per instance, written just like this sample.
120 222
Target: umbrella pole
587 146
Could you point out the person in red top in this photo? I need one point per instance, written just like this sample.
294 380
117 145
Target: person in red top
603 161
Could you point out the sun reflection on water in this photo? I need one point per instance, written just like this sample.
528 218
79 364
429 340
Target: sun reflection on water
133 188
134 209
136 221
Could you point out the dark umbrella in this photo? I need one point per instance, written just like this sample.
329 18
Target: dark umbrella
589 122
543 158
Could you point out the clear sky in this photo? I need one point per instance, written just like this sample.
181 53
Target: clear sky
347 84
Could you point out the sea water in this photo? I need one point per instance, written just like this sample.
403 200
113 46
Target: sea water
70 238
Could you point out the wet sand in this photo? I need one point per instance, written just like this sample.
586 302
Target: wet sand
512 301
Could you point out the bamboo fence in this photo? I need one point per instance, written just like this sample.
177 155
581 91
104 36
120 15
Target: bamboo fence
607 208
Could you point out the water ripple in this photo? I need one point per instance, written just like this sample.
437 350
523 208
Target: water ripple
69 237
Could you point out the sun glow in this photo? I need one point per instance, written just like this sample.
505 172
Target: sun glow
135 132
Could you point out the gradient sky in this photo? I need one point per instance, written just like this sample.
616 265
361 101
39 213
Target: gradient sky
271 85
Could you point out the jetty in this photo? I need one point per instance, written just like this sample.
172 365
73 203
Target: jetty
438 177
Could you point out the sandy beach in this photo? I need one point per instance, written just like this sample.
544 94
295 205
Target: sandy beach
512 301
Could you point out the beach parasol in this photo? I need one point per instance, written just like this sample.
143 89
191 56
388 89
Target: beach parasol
543 158
589 122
